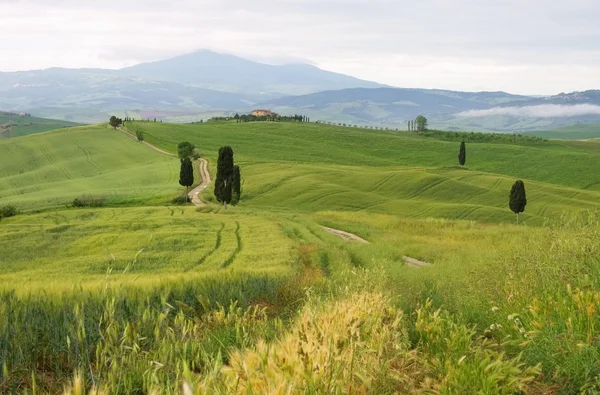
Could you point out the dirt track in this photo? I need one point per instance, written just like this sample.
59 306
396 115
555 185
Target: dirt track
202 170
411 262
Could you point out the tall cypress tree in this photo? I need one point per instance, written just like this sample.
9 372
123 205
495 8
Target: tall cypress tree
186 174
224 181
517 198
462 154
236 185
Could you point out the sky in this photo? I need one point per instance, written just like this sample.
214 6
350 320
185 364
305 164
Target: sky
519 46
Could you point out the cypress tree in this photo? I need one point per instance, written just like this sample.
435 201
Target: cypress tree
186 174
224 180
236 185
462 154
517 198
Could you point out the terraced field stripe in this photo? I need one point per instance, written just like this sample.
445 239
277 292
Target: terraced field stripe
230 260
209 253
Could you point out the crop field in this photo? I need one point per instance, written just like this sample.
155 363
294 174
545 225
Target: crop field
572 132
51 169
143 295
23 126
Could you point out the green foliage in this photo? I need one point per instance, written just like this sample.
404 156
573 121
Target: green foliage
462 154
185 149
8 211
139 134
476 137
89 201
517 198
224 180
115 122
421 123
186 173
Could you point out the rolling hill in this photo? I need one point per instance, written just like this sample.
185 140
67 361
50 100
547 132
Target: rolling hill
49 170
16 125
147 294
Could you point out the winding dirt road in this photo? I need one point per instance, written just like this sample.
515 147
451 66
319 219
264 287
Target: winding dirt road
410 262
202 170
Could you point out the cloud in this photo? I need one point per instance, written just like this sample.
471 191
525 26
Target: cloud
539 111
531 46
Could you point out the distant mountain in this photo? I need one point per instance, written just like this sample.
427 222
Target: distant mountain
205 84
88 95
197 85
230 73
573 98
446 110
389 106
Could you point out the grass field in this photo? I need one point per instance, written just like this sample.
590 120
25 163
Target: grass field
23 126
571 132
51 169
142 295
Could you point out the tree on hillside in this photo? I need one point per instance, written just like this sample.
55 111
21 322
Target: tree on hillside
139 134
185 149
186 174
421 122
115 122
517 198
236 185
462 154
224 181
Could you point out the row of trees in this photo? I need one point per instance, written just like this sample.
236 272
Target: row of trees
517 198
418 125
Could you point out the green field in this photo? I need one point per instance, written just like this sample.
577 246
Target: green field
26 125
143 295
571 132
51 169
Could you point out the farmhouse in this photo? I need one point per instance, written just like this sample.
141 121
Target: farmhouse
263 113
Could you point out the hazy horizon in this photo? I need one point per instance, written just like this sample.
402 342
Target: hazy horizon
532 48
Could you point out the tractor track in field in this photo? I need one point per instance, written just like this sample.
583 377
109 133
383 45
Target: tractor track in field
202 170
410 262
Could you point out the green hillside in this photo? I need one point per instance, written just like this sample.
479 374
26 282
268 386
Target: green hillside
51 169
14 125
571 132
317 167
441 293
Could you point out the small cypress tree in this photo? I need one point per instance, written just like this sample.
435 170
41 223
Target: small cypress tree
517 198
186 174
462 154
224 180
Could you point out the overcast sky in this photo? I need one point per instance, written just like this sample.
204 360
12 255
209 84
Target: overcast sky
520 46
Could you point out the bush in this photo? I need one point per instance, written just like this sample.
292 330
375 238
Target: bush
89 201
180 200
196 155
8 211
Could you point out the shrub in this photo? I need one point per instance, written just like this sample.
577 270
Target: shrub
89 201
180 200
8 211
